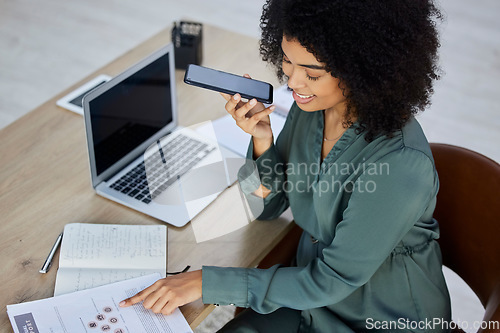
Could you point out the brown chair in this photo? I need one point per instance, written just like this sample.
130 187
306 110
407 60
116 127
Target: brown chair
468 211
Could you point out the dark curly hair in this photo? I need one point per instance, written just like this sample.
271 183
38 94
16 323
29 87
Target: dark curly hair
384 52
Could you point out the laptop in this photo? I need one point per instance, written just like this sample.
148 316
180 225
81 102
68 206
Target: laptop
133 134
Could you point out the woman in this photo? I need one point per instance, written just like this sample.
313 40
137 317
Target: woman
355 168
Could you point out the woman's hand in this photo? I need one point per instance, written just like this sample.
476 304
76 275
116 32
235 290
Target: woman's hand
165 295
252 117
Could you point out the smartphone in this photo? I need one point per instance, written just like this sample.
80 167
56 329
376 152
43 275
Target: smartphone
228 83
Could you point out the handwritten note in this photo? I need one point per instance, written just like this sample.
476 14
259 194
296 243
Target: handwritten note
97 254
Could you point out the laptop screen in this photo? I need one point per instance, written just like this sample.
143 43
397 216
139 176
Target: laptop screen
131 112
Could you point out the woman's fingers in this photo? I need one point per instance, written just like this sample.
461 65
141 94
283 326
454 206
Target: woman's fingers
166 294
249 116
227 97
168 308
139 297
161 300
243 110
261 115
159 304
153 300
232 103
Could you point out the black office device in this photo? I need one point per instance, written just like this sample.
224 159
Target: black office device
228 83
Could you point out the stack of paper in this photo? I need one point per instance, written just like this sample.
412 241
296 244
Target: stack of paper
95 310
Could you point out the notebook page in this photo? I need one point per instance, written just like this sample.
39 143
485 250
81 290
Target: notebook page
93 255
71 279
87 245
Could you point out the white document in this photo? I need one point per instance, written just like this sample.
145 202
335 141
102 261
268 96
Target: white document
232 137
93 255
95 310
212 224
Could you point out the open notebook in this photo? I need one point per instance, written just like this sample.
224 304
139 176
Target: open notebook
93 255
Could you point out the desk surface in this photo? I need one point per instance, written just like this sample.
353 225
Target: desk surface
45 182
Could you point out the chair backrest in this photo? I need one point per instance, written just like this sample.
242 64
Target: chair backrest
468 212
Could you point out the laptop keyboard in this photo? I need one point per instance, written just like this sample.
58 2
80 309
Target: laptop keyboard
178 156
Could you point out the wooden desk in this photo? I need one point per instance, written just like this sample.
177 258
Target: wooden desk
45 182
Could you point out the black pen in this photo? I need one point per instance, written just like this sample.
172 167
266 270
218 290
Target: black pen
46 266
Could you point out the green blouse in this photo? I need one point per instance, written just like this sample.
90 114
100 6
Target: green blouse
368 257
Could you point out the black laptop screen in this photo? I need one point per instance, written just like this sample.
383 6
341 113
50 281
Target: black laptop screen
129 113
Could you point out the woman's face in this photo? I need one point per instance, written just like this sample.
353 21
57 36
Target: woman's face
313 87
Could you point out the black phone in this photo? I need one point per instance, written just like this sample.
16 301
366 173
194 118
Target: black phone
228 83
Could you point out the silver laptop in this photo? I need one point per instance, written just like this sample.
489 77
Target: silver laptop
132 135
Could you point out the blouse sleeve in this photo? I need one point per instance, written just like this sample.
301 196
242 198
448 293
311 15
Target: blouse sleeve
269 169
374 222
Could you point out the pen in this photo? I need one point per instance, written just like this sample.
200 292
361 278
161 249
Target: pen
48 261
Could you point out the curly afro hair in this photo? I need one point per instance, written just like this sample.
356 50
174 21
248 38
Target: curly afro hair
384 52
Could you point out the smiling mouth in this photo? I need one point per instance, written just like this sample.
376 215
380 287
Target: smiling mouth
303 99
303 96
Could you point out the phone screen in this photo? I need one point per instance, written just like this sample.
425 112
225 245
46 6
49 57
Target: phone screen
228 83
